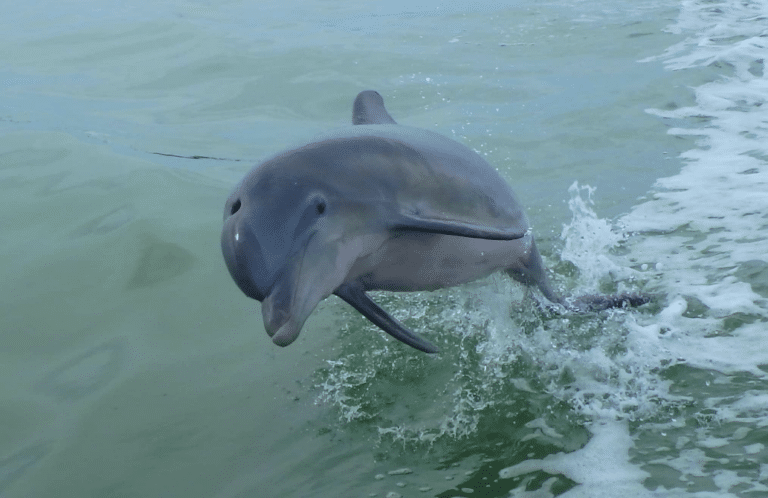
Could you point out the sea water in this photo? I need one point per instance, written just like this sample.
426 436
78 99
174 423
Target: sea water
634 133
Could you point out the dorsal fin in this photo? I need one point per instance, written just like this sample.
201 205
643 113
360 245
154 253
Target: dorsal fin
369 109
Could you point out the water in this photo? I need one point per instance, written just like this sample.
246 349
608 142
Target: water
633 132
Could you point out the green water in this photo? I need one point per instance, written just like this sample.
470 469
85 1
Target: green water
134 367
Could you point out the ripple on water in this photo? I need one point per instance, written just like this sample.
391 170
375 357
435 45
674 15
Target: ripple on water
84 374
108 222
16 465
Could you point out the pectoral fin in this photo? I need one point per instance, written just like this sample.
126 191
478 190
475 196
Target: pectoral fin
359 300
462 229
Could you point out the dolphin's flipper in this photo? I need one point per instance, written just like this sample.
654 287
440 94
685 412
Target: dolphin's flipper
410 222
369 109
358 299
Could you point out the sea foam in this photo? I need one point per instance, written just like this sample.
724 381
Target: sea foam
708 225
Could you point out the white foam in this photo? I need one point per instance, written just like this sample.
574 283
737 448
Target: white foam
711 216
698 241
699 229
602 467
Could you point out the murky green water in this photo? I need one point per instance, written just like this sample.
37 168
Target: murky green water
134 367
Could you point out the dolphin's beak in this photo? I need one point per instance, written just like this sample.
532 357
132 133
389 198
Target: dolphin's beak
281 324
283 315
308 277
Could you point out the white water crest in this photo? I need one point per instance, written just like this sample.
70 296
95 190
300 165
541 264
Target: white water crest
706 229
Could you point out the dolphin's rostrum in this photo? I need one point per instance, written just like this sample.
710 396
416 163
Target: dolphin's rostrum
375 206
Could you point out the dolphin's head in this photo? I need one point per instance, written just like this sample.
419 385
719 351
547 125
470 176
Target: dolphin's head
282 243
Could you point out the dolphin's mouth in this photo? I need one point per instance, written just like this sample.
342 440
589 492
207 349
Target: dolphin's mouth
282 326
274 317
280 314
284 308
286 334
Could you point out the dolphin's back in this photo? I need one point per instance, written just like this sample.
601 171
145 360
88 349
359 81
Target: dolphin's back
423 171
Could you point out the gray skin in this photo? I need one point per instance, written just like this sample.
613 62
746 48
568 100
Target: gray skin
374 206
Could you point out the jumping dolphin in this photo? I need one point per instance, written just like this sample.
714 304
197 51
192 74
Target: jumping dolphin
375 206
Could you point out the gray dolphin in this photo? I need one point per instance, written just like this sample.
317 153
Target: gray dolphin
375 206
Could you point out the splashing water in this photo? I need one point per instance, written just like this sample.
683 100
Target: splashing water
588 239
502 356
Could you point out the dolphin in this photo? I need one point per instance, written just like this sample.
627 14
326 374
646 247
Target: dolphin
376 206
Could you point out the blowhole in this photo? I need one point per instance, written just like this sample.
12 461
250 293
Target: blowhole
320 207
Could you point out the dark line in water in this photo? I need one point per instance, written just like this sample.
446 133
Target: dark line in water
196 157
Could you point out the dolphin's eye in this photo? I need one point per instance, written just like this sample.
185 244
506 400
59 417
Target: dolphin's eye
320 207
235 207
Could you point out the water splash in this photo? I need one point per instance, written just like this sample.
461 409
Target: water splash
588 239
501 356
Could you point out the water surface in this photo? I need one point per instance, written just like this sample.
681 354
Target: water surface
633 132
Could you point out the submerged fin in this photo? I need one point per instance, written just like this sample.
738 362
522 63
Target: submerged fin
358 299
369 109
596 302
458 228
592 303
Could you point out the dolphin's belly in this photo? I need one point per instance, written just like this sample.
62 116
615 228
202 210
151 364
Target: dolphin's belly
421 261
